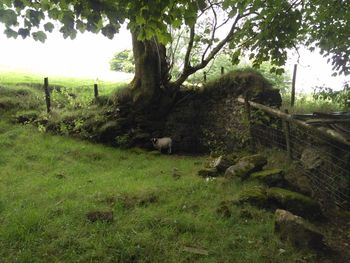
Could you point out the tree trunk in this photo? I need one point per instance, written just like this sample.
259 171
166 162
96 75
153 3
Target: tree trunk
151 71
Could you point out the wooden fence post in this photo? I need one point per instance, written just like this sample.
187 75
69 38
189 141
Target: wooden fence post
96 90
47 95
292 99
205 76
286 128
249 120
222 71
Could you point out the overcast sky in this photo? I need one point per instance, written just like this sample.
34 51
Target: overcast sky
89 55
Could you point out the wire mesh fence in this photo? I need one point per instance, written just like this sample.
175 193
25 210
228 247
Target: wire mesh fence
323 160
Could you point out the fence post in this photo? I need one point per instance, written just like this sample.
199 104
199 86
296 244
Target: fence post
286 128
205 76
47 94
292 99
222 70
249 120
96 90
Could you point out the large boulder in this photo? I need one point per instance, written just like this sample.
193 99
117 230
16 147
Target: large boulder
297 231
246 166
295 202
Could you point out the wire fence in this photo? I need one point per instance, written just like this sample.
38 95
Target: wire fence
322 158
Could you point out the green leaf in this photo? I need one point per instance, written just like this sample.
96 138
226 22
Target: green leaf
49 27
10 33
23 32
80 26
8 17
39 36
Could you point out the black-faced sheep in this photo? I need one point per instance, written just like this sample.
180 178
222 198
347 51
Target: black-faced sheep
162 143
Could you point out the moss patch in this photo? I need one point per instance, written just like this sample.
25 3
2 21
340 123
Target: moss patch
255 196
271 177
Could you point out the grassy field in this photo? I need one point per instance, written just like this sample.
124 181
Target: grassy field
49 183
77 84
162 211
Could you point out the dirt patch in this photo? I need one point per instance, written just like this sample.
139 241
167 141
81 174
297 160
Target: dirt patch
131 201
104 216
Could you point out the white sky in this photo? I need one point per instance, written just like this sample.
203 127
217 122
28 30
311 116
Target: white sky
89 54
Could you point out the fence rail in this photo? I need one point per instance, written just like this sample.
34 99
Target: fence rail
330 181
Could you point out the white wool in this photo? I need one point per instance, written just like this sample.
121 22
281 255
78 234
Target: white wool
163 143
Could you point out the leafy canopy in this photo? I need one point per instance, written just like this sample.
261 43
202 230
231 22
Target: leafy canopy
264 28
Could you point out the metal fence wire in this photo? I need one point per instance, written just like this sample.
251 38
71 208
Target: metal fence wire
328 168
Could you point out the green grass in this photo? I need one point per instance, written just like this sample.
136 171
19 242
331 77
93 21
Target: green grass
15 78
307 104
49 183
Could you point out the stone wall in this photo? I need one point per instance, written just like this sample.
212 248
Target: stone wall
211 120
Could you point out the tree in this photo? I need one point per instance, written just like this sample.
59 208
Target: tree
123 61
263 28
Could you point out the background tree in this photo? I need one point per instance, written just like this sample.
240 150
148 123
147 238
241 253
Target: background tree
123 61
265 29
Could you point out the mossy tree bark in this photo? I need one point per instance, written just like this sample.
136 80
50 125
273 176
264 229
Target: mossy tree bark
151 71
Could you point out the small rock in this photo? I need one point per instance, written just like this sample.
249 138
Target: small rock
297 231
223 162
208 172
105 216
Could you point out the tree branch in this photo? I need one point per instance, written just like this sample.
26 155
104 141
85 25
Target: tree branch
187 63
212 35
189 70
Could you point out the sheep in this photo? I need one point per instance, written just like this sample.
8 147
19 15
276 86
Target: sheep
162 143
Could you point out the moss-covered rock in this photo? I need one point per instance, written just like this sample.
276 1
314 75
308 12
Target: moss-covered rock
223 162
254 196
246 166
273 198
297 231
208 172
295 202
271 177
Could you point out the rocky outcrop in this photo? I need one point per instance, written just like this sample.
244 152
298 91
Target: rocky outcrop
297 231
